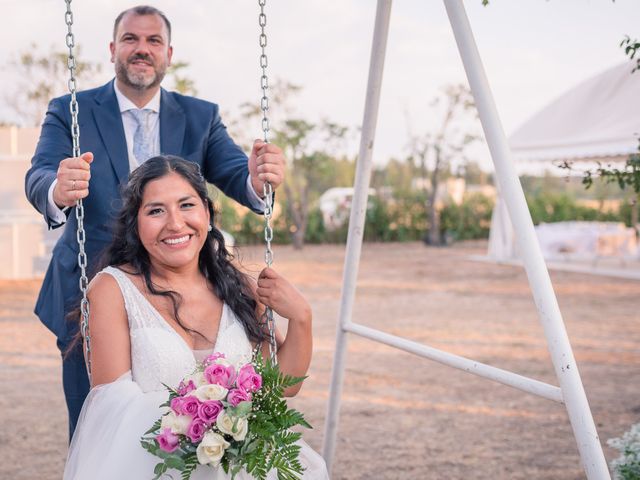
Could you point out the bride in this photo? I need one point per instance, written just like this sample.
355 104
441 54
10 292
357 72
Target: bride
168 297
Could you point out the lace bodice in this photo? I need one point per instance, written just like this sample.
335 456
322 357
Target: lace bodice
159 355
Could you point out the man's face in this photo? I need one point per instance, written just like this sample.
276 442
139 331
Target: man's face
141 51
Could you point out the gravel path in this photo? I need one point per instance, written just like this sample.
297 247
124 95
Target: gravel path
402 416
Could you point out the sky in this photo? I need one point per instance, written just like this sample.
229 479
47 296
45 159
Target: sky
533 51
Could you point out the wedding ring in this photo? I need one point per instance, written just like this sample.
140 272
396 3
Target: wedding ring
73 184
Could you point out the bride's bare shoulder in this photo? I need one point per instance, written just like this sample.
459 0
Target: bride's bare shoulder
105 284
106 300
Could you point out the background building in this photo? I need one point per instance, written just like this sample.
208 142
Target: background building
25 241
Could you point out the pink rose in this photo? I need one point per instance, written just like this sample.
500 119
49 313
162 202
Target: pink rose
190 405
176 405
238 395
209 411
212 358
220 375
185 388
248 379
196 430
168 441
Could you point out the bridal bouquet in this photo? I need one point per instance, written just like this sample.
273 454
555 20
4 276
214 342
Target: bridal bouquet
230 415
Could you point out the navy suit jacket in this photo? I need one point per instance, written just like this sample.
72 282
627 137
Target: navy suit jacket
189 127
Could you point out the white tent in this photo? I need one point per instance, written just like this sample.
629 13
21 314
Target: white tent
596 120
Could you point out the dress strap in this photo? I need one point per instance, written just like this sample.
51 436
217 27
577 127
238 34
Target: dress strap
134 301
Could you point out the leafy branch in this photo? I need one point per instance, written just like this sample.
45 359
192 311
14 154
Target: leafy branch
631 47
627 176
269 435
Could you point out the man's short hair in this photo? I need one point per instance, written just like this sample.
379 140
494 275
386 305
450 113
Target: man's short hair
142 10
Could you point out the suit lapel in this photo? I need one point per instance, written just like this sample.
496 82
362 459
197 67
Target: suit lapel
109 121
172 125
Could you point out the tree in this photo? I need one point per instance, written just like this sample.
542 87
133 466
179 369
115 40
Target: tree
310 169
41 77
181 83
312 153
434 152
473 174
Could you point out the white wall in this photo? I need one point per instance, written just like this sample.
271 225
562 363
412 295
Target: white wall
25 243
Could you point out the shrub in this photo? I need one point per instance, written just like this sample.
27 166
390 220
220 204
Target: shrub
469 220
627 465
560 207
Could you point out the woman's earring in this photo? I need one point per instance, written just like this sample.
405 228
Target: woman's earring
209 228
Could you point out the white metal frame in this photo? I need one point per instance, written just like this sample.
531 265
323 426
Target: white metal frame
571 391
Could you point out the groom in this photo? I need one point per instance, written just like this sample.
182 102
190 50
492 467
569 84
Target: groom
122 124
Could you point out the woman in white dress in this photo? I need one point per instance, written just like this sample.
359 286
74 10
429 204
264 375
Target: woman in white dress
168 297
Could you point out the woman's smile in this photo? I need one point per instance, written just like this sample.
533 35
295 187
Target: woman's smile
178 241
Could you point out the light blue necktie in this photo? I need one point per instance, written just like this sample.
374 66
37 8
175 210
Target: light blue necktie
142 142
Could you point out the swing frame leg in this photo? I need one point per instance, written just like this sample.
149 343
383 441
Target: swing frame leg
573 394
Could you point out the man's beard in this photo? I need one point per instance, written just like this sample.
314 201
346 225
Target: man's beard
140 81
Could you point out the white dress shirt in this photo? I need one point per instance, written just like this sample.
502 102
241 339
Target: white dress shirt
130 125
57 215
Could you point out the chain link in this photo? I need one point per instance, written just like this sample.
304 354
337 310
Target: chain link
268 229
267 318
83 282
264 81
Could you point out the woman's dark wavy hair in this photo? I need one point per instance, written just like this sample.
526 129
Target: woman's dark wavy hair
229 284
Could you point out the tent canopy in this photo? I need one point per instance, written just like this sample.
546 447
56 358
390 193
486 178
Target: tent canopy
596 120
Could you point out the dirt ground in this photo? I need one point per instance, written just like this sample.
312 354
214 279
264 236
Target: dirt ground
402 416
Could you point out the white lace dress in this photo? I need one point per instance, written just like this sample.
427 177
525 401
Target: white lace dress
106 443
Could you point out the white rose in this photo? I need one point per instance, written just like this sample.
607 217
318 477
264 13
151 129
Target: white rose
197 378
211 448
222 361
210 392
226 423
177 423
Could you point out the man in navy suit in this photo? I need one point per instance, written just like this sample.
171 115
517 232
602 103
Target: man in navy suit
122 124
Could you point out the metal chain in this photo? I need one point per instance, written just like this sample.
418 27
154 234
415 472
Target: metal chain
268 258
264 81
267 189
80 233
